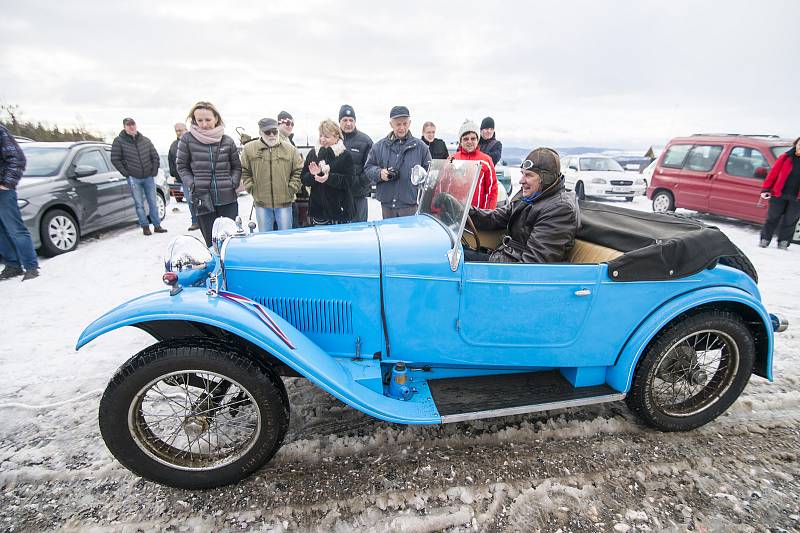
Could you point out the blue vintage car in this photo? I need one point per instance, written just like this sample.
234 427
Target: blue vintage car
388 318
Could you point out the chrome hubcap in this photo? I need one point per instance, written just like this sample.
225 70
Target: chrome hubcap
661 203
162 207
62 233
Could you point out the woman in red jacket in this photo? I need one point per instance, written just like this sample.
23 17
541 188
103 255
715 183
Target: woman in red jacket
782 189
485 196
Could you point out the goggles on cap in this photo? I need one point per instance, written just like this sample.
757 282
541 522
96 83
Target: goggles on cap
530 165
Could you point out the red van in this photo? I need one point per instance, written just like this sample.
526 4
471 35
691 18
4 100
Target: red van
720 174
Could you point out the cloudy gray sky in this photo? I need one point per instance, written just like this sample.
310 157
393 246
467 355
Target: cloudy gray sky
621 74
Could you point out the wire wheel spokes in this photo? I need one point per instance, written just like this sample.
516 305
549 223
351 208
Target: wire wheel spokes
194 420
694 373
62 232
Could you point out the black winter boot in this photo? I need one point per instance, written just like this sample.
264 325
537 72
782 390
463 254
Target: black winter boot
10 272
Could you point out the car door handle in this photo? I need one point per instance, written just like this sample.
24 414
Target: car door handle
583 292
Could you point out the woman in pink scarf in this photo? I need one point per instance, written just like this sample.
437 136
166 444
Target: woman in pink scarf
208 163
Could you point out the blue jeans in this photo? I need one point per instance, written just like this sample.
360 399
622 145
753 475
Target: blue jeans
267 216
187 195
144 189
16 245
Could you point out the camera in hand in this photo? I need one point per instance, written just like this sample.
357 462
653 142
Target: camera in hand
392 172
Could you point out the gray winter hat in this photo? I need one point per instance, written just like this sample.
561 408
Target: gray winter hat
468 126
546 163
266 124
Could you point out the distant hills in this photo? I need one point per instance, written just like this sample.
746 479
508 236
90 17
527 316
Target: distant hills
513 151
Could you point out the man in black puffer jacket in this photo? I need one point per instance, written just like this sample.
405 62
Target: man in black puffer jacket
540 222
358 144
135 157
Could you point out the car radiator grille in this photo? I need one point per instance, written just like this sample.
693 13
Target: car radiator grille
621 182
312 315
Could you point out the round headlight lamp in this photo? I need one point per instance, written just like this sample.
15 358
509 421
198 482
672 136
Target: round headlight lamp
222 229
188 262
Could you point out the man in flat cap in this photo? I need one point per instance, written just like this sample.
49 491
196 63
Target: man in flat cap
358 144
135 157
271 169
390 162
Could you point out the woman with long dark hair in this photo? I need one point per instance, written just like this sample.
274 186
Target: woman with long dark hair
208 163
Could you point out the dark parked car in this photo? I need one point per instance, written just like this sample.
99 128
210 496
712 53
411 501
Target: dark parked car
70 189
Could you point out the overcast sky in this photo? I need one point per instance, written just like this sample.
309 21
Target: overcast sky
624 74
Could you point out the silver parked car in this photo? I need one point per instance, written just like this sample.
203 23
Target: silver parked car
70 189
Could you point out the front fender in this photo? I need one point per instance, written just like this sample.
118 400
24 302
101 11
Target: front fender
620 375
193 304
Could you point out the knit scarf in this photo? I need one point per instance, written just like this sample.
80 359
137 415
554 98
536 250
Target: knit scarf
212 136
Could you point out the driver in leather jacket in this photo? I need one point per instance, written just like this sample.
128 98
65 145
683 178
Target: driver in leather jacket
541 220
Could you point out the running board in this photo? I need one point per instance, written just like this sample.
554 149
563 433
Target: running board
472 398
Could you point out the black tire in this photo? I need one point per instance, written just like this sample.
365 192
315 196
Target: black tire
147 441
740 262
162 205
59 232
663 202
580 194
672 361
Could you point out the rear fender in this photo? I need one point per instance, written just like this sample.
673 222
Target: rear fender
620 375
193 304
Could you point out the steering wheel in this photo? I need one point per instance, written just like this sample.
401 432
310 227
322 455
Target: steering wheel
472 230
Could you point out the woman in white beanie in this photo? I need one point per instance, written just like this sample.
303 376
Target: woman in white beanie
485 196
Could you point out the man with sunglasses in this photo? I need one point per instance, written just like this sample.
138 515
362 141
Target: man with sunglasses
271 170
540 221
286 125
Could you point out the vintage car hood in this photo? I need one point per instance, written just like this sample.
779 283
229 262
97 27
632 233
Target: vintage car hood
345 249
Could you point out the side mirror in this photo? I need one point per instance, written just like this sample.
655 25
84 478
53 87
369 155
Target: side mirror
760 172
81 171
418 175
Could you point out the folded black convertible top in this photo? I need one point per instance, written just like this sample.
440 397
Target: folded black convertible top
657 246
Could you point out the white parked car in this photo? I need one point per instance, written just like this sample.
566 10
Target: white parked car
601 176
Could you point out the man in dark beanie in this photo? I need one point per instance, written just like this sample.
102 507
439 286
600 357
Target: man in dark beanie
286 125
540 221
489 144
358 144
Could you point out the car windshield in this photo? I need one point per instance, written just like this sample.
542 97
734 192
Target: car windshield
778 151
600 164
43 162
446 192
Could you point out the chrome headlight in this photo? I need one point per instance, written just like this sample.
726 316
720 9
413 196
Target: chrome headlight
188 261
598 180
222 229
639 181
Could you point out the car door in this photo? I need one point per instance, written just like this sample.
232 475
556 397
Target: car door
526 314
696 176
570 171
98 193
736 187
126 206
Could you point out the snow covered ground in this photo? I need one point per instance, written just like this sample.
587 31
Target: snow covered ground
589 469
